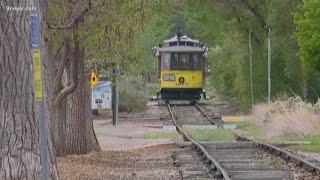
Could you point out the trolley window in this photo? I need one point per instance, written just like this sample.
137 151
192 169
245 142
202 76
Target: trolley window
185 61
165 62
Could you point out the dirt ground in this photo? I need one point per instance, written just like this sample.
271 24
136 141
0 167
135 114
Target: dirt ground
145 163
126 135
125 154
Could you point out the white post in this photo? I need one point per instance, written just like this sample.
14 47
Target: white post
250 64
269 67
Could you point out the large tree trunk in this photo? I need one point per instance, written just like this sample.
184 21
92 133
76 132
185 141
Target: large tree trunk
53 112
19 130
55 97
80 137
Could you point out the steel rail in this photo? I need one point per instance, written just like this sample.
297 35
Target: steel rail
215 167
286 155
211 119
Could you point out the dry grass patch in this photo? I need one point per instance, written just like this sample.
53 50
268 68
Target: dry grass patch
299 122
291 117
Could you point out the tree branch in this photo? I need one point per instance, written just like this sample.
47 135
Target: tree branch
75 20
256 13
74 82
63 63
74 71
255 37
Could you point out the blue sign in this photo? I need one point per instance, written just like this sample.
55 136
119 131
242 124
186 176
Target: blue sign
34 30
117 71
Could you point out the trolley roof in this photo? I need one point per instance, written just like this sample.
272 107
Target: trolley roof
184 44
182 38
183 49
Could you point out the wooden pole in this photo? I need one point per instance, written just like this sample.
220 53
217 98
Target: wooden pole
250 64
269 67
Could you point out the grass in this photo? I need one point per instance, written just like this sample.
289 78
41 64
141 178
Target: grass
250 129
313 139
314 145
160 134
307 147
210 134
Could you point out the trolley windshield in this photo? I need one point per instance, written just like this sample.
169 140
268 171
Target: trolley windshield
181 61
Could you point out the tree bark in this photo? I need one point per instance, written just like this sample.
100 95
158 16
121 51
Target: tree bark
61 125
52 111
81 137
19 130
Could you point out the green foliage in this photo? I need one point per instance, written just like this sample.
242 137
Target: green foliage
287 73
308 34
133 94
125 31
225 28
308 38
112 30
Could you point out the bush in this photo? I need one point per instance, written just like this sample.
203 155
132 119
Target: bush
133 94
290 117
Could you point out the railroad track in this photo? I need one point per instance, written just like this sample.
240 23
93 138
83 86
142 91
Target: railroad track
213 118
241 159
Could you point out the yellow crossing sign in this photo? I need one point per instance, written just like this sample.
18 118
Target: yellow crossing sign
94 79
36 56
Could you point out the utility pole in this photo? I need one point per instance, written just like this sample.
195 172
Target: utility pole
35 29
114 99
250 64
269 66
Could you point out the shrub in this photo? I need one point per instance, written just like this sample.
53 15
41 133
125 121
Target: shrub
290 117
301 121
316 107
259 112
132 94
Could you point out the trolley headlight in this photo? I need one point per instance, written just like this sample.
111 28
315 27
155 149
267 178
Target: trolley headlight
168 77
